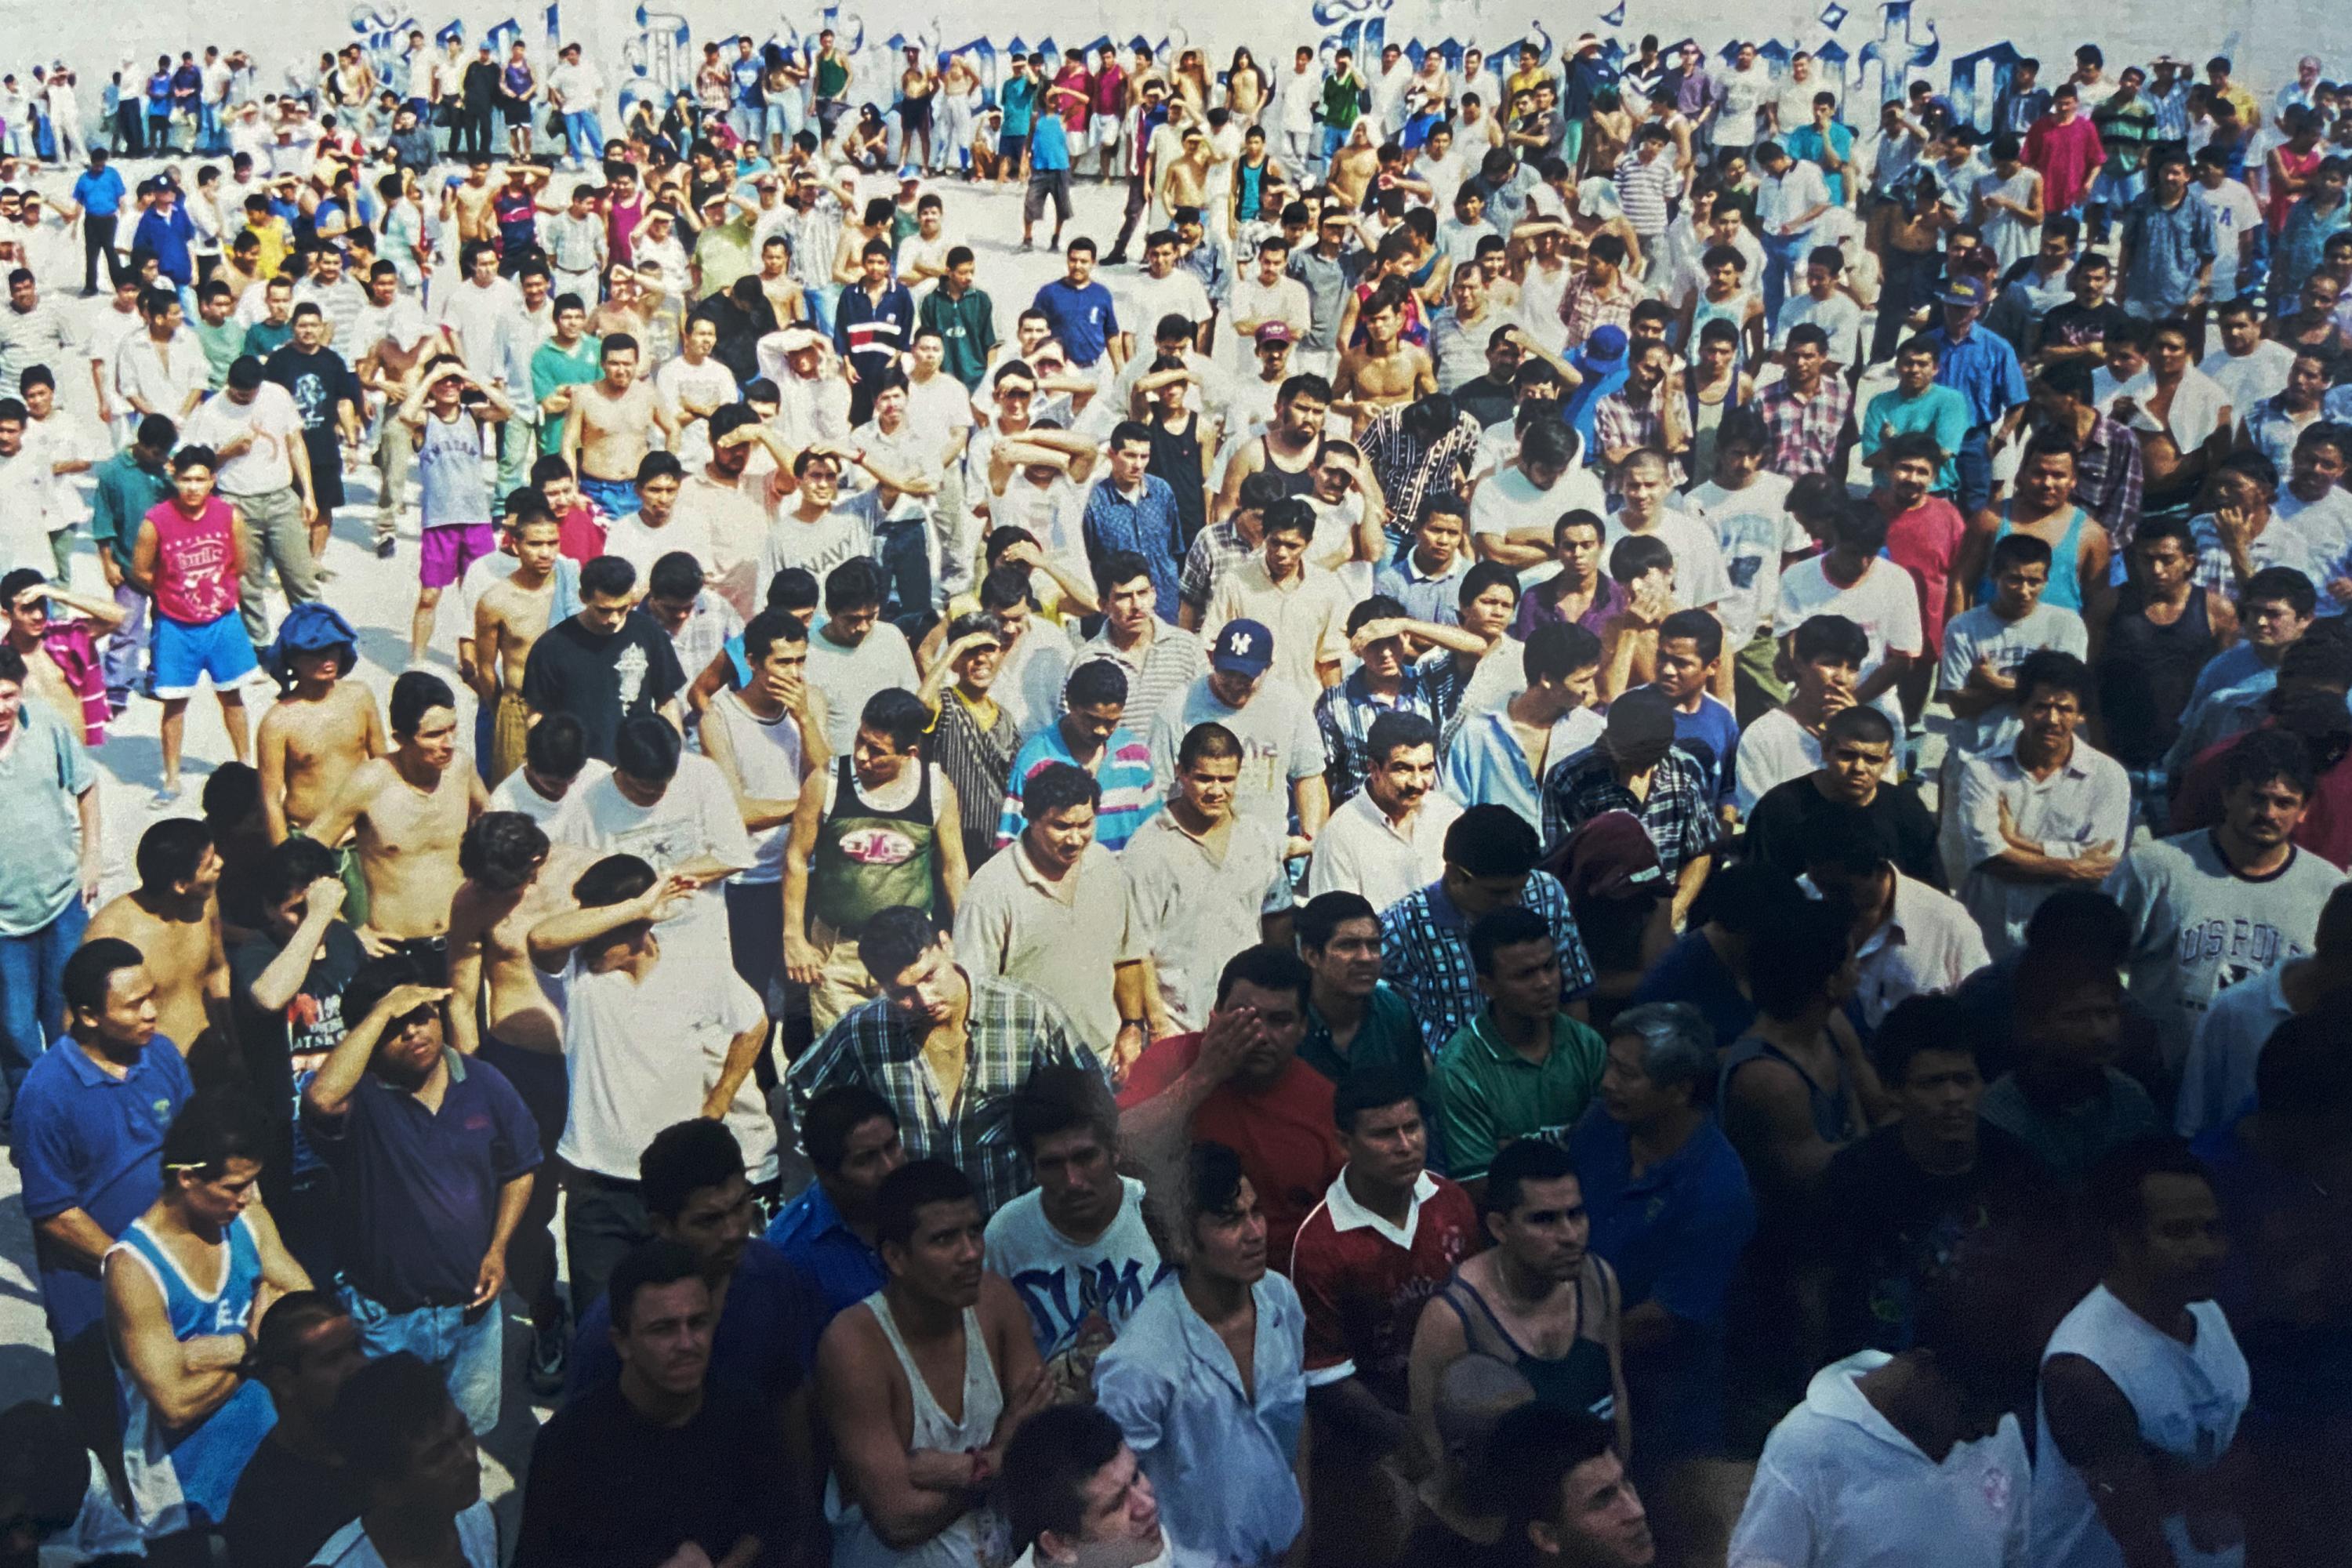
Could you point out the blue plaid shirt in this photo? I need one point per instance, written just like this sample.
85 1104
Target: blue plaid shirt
1146 524
1013 1031
1679 814
1425 954
1344 716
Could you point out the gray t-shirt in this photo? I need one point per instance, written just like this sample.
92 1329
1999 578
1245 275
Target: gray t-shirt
43 770
2198 927
1280 744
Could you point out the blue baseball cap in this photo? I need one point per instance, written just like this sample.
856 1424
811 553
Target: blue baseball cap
1242 647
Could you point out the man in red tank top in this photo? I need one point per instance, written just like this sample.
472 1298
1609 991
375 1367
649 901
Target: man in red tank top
189 559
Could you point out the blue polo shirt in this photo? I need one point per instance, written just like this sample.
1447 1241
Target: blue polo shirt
87 1139
1981 368
1674 1234
98 193
420 1188
1083 318
1049 145
811 1233
765 1339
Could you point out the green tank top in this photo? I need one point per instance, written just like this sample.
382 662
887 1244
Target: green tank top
832 75
868 860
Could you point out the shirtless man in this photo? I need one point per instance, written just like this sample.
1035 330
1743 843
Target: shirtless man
411 806
509 617
1184 183
608 429
1386 370
32 610
173 918
468 203
317 734
1353 168
1288 450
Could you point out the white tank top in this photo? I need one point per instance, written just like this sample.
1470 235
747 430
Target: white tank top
978 1540
2188 1397
768 762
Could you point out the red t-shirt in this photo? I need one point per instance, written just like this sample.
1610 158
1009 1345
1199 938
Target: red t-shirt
1288 1147
2067 156
1926 541
579 533
1364 1284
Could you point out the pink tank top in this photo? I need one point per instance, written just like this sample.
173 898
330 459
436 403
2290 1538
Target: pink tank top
195 580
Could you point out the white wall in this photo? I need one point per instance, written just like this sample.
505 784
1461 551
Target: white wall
2264 37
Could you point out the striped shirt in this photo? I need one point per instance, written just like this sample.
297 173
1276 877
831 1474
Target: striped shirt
1012 1031
1165 669
1344 716
1645 192
978 761
1425 954
1122 768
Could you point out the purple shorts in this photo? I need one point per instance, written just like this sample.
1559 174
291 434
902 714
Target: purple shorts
450 548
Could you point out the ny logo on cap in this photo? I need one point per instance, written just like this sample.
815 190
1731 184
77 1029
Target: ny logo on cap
1237 644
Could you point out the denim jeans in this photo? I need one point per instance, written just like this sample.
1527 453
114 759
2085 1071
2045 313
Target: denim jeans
583 130
124 662
462 1343
1974 461
904 550
32 992
1784 257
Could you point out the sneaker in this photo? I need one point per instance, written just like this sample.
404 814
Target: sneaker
383 549
1115 258
549 1348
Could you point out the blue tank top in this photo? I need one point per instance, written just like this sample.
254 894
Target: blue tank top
2066 589
181 1477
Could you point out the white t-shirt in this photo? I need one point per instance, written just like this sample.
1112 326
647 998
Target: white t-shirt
274 422
638 1053
709 383
695 816
2249 378
846 676
1079 1295
1884 604
1838 316
1510 503
640 546
1149 299
1700 578
1755 530
1772 750
515 792
846 530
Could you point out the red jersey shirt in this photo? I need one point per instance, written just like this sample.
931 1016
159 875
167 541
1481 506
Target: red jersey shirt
1926 541
1288 1147
1364 1281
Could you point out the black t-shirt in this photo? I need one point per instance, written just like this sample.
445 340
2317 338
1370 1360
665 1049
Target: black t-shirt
608 1487
317 382
285 1507
601 680
1892 1225
1486 400
1776 828
269 1042
2075 324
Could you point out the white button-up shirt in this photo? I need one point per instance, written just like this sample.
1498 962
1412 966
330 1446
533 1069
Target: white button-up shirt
1361 850
1926 945
2084 802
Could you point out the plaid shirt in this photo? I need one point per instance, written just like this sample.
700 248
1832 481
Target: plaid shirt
1679 813
1584 310
1216 550
1425 954
1407 470
1805 432
1013 1031
2108 479
1344 716
1619 421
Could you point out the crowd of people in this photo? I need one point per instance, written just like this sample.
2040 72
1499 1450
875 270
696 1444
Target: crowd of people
1595 814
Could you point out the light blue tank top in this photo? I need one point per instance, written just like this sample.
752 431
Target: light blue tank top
450 482
181 1477
2066 589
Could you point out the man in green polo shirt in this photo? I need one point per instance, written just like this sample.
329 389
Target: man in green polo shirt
1521 1068
1355 1022
129 485
964 318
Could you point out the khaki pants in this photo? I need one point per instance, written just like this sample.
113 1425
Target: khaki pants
395 458
842 982
275 536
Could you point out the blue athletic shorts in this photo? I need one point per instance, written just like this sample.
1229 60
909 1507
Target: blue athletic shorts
185 654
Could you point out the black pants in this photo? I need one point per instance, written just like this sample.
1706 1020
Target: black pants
97 245
129 138
539 1078
1138 198
604 1220
473 131
86 1387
